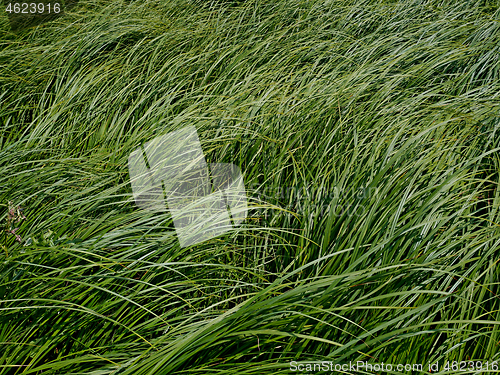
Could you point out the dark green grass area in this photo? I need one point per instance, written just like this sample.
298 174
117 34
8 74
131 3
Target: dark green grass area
368 136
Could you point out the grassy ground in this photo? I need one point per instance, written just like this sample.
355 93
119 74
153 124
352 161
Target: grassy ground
367 133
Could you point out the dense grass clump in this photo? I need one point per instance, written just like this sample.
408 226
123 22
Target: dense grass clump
368 136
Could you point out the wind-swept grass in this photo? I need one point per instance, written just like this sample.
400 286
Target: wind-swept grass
367 134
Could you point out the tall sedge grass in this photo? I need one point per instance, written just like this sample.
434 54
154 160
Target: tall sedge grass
367 133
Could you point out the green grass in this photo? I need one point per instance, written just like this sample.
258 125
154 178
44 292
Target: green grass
367 134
